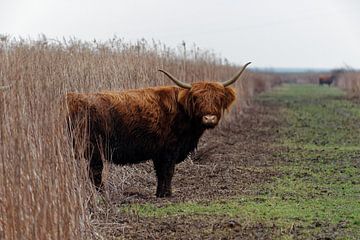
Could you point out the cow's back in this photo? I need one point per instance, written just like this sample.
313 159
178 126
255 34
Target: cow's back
132 126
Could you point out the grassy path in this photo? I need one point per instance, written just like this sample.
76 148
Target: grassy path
317 194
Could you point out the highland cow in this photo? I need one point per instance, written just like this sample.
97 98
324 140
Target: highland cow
326 80
162 124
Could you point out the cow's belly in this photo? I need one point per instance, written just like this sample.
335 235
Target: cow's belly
129 151
138 149
123 156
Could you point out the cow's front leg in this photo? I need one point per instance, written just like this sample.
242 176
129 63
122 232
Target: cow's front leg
164 169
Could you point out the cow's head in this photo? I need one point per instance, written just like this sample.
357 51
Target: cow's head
206 101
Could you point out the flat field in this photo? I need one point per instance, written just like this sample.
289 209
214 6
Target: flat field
288 169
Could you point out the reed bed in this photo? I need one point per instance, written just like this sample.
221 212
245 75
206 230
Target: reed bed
350 82
44 192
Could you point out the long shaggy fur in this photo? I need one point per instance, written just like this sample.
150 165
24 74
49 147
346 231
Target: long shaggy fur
128 127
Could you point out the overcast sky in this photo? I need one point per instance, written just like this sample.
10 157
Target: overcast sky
270 33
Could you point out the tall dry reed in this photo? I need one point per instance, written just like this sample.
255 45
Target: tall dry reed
350 82
44 193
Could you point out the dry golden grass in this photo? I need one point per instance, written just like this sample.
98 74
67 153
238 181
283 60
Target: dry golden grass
350 82
44 193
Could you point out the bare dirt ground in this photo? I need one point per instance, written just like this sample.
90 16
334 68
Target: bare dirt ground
288 168
230 161
226 163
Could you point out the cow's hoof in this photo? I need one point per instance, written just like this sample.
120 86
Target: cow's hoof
163 195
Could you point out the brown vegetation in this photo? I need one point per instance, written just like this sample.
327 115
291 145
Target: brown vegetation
44 193
350 82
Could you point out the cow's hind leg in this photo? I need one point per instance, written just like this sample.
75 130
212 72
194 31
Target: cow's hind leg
95 169
164 172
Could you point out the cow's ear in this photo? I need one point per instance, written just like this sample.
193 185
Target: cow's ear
168 100
184 99
230 96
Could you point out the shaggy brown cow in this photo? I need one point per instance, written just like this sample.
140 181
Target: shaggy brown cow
326 80
160 123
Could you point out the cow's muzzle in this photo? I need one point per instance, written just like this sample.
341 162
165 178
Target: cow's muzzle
210 120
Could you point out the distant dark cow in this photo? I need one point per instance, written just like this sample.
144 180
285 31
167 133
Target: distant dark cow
160 123
326 80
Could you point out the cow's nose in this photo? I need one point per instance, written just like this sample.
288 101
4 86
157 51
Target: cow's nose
210 119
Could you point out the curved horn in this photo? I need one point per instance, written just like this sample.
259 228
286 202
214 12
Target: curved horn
176 81
236 77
